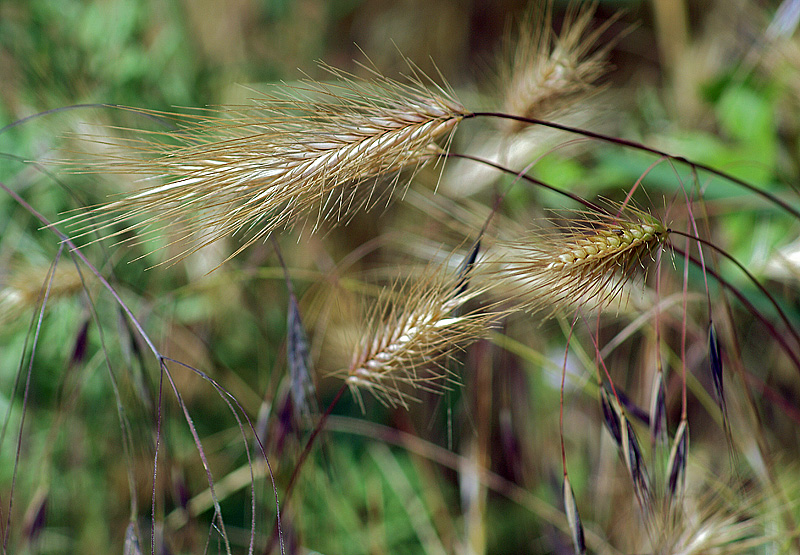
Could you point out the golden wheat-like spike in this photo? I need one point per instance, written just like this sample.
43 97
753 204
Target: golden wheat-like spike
546 73
413 330
312 153
584 263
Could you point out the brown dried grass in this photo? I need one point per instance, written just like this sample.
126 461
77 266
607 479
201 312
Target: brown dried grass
413 330
309 154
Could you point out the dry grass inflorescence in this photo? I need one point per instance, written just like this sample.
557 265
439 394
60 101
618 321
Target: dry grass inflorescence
541 346
413 331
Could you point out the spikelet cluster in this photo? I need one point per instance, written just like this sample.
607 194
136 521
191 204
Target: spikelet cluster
307 154
721 520
547 73
687 509
412 331
586 262
22 290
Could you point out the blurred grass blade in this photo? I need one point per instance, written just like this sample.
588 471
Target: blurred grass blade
419 516
676 469
658 411
135 361
466 268
304 397
632 408
785 22
131 541
636 465
79 350
715 360
573 519
303 393
35 517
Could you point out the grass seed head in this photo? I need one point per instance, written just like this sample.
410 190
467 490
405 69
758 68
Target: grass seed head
548 73
573 518
586 263
412 332
314 153
22 288
723 521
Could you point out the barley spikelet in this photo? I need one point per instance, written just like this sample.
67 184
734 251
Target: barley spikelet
413 330
307 154
547 73
585 262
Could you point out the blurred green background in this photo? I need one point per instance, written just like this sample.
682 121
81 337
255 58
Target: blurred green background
699 82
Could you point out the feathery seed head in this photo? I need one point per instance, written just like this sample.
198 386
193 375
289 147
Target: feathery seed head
315 153
24 285
585 263
548 73
720 520
413 330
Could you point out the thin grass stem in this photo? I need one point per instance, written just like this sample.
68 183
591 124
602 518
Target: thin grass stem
642 147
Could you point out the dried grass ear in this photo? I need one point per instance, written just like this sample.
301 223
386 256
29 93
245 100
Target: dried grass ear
676 467
131 546
586 263
611 415
313 154
544 73
573 518
413 329
20 289
304 396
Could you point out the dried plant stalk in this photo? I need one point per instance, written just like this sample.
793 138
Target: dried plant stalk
547 73
585 262
413 330
313 153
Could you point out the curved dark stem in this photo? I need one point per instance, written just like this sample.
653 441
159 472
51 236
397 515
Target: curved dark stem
74 249
588 204
303 456
749 275
143 113
773 331
760 442
722 281
639 146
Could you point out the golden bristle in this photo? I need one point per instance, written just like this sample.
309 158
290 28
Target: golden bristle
413 330
720 519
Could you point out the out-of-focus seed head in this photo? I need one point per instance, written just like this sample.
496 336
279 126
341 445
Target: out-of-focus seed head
546 73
